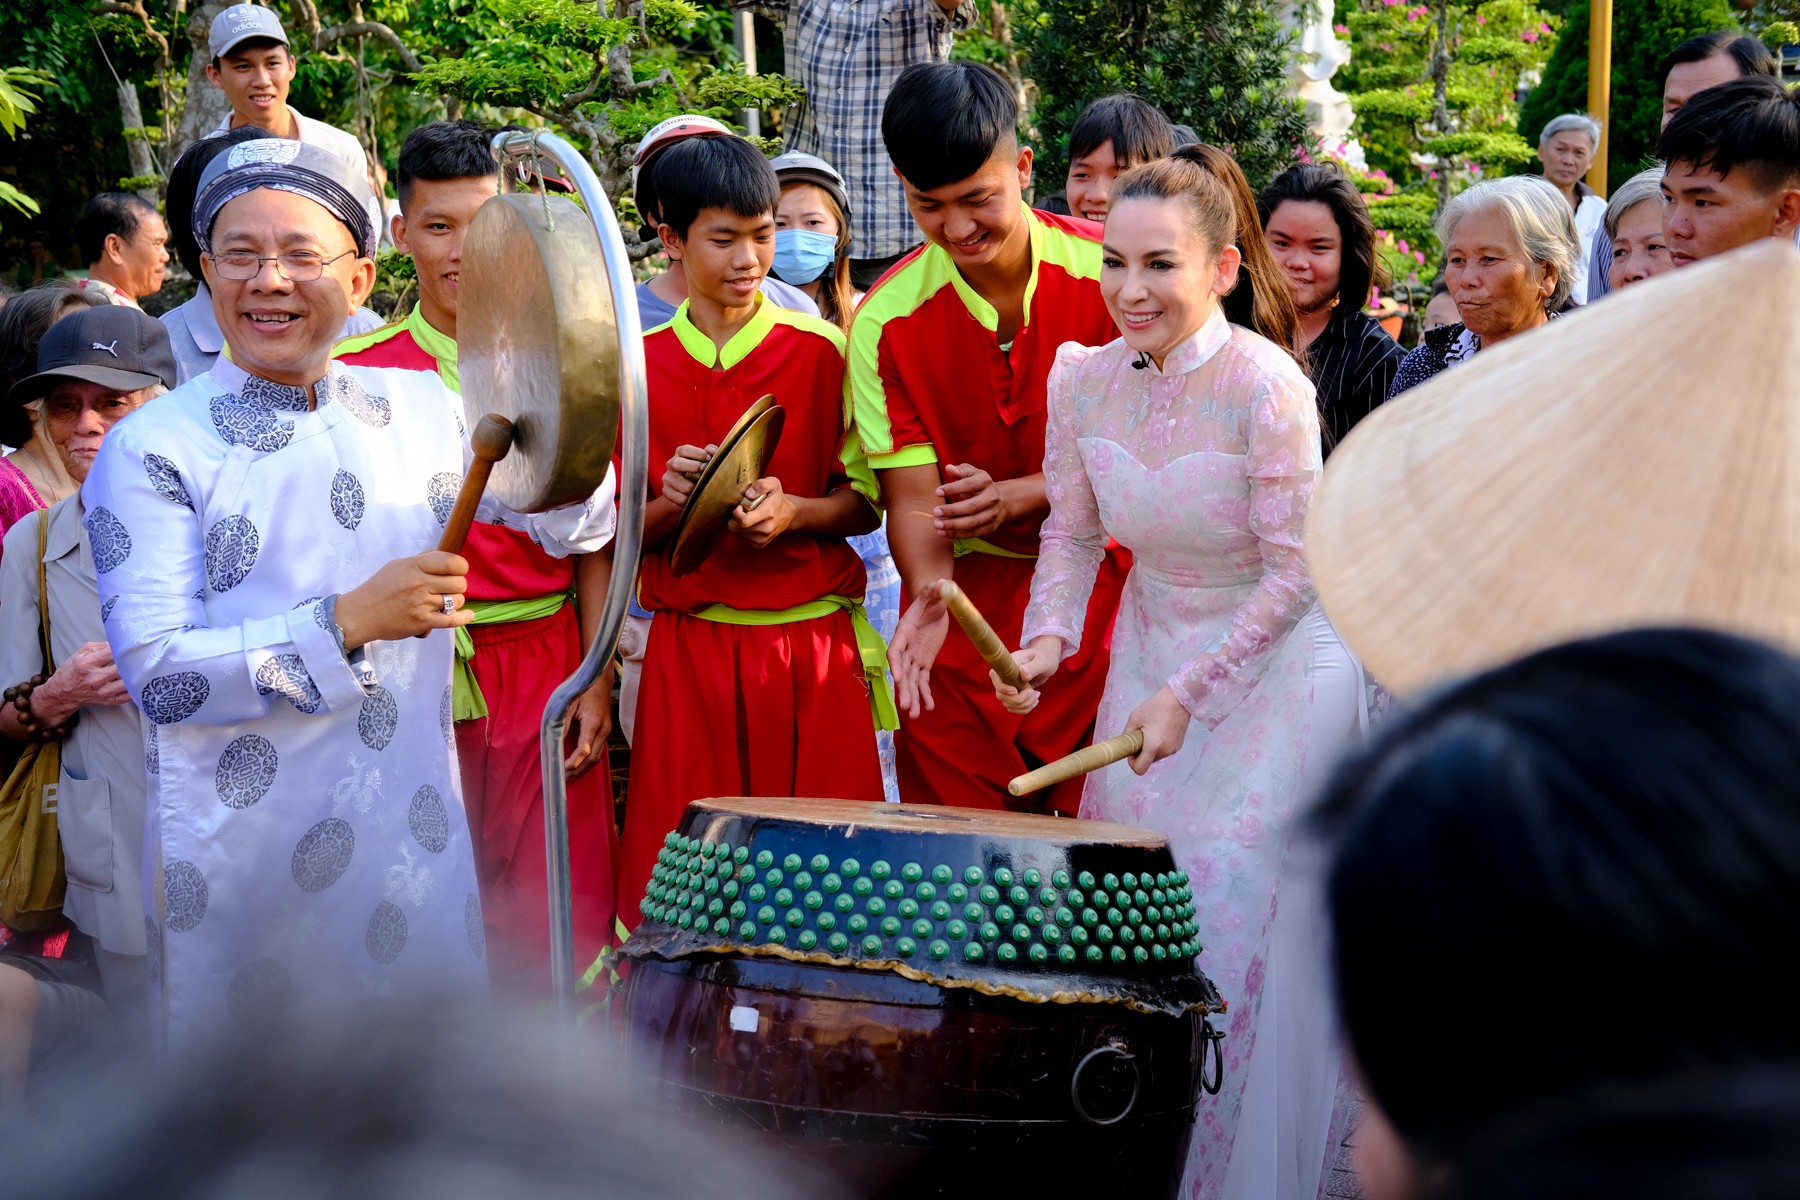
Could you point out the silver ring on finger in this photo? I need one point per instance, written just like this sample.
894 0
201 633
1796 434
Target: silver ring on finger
449 604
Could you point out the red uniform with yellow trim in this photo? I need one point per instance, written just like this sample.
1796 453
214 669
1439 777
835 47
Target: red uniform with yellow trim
516 664
746 691
929 383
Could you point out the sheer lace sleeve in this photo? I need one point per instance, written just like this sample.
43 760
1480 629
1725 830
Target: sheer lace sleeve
1284 464
1073 540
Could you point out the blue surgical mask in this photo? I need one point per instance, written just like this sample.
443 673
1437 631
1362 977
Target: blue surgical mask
802 255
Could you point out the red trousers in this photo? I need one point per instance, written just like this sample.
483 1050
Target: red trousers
742 710
518 665
967 748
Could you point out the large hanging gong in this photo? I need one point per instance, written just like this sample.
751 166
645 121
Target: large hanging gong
538 343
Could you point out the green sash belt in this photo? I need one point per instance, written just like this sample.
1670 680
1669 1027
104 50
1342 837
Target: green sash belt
869 643
982 546
467 702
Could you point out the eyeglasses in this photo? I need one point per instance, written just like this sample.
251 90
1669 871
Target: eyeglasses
296 266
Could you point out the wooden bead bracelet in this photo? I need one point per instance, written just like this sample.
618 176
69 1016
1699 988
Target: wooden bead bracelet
19 696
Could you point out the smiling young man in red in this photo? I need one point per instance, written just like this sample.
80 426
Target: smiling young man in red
950 357
526 636
761 670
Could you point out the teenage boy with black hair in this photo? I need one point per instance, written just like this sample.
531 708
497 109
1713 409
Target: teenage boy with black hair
761 668
1732 173
526 636
1111 136
950 356
254 65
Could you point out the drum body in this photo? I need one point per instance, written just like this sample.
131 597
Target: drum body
924 1008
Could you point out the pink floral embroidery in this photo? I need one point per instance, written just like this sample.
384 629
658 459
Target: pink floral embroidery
1203 469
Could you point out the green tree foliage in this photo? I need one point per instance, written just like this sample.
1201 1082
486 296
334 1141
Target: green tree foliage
18 100
600 72
1220 66
1435 85
1643 32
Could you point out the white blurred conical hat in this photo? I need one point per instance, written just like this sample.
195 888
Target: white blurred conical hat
1632 464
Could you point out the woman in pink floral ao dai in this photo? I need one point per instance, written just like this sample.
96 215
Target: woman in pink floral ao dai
1195 443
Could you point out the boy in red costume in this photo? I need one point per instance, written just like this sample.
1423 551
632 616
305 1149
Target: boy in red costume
760 668
950 358
526 637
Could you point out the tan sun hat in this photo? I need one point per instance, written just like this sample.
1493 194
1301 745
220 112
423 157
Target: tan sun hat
1636 463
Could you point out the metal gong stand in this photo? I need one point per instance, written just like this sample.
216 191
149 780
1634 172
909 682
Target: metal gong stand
550 339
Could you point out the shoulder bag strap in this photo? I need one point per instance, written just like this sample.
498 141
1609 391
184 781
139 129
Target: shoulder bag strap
43 593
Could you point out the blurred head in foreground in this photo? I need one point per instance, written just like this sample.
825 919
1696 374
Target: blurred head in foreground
1574 872
397 1105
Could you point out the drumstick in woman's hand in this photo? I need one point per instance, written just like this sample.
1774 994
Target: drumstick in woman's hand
993 651
1089 758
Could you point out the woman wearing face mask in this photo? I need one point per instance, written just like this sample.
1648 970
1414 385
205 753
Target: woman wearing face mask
812 235
1195 443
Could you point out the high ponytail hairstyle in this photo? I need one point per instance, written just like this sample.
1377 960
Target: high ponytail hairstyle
1263 300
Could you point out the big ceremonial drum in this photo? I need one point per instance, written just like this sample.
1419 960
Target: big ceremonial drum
931 999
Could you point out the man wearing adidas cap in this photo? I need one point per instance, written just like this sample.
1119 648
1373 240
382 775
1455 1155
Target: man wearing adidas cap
254 65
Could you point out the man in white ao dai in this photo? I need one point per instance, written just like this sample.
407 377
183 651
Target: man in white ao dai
262 539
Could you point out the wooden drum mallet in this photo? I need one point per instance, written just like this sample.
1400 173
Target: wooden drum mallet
987 643
492 438
1088 758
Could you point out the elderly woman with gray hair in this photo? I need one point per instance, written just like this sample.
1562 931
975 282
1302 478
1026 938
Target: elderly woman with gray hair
1634 223
1566 148
1510 252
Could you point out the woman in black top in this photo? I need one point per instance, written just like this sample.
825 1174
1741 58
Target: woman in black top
1318 229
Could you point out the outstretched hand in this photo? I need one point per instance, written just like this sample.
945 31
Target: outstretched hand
1165 725
917 640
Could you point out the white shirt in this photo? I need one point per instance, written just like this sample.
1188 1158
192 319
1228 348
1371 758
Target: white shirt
318 133
113 295
1590 215
306 846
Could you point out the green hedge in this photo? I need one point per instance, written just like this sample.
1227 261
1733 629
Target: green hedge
1643 32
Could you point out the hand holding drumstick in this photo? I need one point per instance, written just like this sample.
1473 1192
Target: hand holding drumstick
1154 730
1036 663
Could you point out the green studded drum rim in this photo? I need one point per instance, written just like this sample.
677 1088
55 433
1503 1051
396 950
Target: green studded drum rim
1048 917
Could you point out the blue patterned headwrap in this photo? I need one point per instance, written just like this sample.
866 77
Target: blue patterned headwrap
289 166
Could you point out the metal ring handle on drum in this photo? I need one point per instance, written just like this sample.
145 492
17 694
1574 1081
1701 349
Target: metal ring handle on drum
628 541
1212 1042
1110 1050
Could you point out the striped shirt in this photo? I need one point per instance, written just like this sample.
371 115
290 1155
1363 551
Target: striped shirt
1353 363
847 54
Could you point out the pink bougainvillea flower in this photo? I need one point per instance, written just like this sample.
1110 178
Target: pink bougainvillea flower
1341 30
